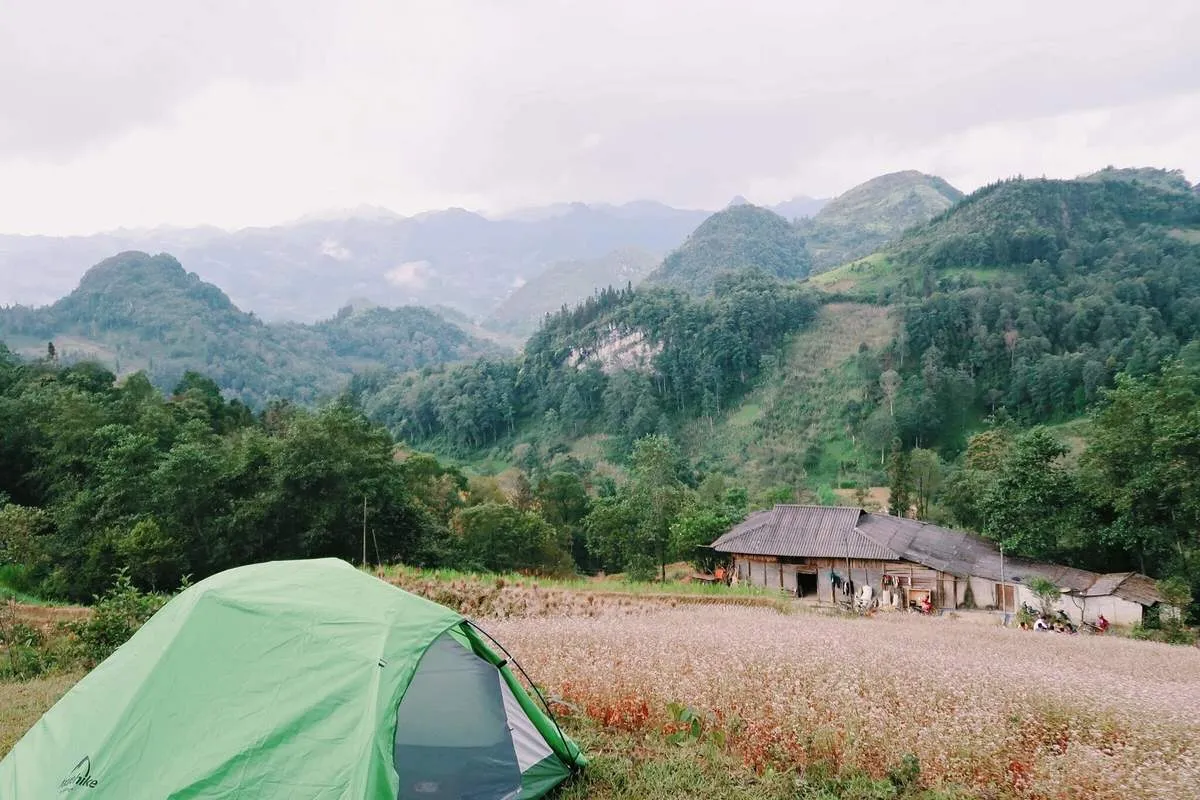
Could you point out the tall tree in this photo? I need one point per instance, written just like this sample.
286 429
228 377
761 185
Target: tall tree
1033 505
900 481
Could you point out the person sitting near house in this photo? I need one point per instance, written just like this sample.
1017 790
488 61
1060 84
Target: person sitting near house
1101 624
720 574
1041 624
926 605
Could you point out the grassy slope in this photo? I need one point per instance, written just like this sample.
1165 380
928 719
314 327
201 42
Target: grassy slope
763 440
23 703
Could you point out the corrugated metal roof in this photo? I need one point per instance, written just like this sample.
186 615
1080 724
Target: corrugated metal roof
748 524
803 531
961 553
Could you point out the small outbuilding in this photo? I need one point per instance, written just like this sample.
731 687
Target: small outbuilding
835 554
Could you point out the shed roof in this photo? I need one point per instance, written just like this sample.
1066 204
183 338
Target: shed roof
755 520
796 530
1131 586
961 553
803 531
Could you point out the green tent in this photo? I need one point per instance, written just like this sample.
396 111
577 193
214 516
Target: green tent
295 679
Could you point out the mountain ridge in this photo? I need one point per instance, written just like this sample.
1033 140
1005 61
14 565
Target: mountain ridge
137 311
863 219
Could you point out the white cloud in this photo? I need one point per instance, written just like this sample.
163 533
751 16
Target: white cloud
410 275
331 248
256 114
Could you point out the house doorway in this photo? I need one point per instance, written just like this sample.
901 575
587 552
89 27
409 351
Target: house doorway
806 584
1006 599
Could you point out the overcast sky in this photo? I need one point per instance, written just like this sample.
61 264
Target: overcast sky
138 112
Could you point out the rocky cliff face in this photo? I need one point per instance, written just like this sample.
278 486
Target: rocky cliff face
618 350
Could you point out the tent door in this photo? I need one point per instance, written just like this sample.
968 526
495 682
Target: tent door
453 737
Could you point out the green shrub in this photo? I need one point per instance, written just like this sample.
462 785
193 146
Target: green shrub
1167 634
116 616
641 568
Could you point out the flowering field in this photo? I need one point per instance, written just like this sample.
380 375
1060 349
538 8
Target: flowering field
992 712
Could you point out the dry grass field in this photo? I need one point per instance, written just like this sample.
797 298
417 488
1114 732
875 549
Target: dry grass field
784 701
989 712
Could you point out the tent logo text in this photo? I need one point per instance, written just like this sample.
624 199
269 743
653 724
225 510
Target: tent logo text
79 778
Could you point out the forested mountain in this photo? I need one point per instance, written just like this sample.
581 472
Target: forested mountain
566 284
138 312
626 363
1026 299
871 214
306 270
742 236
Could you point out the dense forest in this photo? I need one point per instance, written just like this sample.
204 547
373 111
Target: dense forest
1127 501
1028 298
137 312
864 219
625 362
100 478
740 237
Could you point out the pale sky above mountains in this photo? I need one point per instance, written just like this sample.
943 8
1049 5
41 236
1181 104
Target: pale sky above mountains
139 112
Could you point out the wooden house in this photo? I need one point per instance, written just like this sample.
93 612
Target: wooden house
831 553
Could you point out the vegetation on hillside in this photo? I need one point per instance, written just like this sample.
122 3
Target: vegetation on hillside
101 479
137 312
870 215
626 363
740 237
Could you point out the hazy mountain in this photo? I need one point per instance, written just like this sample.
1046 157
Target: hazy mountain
138 312
567 283
800 207
307 269
871 214
741 236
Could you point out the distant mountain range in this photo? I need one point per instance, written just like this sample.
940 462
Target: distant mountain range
306 270
139 312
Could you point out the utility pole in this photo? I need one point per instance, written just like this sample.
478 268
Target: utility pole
364 535
1003 592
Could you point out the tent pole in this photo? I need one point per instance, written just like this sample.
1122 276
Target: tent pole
532 685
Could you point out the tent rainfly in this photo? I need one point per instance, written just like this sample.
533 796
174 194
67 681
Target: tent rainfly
295 679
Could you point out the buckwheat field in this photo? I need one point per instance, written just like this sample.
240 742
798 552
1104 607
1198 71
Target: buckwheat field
988 711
